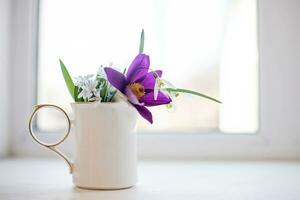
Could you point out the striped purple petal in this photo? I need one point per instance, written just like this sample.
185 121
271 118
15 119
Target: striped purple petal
144 112
116 78
148 99
138 68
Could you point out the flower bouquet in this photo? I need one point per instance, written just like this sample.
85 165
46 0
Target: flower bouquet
140 85
106 106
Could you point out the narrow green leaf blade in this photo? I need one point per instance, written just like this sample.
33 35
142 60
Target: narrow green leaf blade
68 79
76 93
180 90
104 91
142 39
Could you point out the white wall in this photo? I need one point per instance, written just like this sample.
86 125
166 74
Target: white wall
4 76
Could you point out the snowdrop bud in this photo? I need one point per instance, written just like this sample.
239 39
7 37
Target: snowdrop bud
156 88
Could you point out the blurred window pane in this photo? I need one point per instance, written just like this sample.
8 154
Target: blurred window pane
208 46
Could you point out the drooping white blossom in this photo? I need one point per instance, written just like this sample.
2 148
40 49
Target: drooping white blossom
159 86
156 87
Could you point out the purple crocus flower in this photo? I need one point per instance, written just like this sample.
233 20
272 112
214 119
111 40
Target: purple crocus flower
138 85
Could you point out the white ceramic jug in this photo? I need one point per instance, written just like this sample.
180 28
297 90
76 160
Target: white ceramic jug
105 150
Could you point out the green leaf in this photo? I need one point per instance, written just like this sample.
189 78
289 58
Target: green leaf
191 92
68 79
77 90
142 39
104 92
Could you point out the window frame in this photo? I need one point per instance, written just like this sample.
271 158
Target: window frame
276 137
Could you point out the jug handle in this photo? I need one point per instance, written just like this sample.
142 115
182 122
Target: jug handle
52 146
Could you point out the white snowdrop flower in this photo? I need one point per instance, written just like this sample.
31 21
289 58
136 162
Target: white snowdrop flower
91 85
167 84
85 94
81 80
156 87
88 88
78 81
158 84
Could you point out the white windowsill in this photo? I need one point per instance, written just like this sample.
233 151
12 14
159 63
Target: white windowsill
49 179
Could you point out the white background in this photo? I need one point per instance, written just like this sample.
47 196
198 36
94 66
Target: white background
206 46
279 55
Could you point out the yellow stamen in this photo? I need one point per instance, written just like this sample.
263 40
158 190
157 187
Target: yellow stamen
138 89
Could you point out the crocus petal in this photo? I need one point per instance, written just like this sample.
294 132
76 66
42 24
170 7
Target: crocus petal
144 112
148 99
138 68
149 80
131 97
115 78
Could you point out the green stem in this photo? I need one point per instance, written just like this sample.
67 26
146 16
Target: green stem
142 40
180 90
